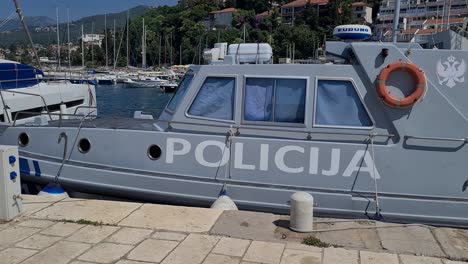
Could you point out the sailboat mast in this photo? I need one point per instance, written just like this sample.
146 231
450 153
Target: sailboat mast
105 36
160 43
25 27
82 46
170 49
68 38
244 31
128 43
114 45
143 41
58 39
92 44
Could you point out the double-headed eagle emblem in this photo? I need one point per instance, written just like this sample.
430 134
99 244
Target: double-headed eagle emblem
451 71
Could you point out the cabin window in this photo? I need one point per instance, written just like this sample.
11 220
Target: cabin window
175 100
338 104
275 100
215 99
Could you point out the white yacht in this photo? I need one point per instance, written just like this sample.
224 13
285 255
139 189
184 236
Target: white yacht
26 94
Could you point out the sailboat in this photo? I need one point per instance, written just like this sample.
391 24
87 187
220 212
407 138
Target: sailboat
143 80
28 96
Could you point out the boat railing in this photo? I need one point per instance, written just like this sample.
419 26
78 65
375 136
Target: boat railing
236 130
44 107
83 107
61 116
45 79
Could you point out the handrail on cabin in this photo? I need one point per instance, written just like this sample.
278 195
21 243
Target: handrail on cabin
464 140
238 128
32 94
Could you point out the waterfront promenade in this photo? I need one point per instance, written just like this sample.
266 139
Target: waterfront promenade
94 231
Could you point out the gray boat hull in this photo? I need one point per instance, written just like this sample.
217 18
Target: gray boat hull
413 161
126 171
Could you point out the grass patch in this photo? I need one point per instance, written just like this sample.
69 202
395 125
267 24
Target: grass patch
84 222
313 241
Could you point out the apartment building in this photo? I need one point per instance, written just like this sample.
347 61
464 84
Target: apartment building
93 39
414 15
362 12
293 10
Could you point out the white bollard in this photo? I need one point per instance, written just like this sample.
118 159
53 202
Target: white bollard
10 186
54 190
302 212
224 203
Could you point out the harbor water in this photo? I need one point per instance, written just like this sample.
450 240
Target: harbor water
118 101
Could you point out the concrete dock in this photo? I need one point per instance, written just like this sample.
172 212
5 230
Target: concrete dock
60 231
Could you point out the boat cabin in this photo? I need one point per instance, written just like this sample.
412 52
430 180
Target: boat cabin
273 100
316 101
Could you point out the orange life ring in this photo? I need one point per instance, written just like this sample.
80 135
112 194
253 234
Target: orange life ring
416 95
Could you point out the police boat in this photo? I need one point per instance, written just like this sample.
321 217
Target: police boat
382 134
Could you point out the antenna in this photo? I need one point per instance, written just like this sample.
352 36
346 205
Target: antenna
396 21
25 27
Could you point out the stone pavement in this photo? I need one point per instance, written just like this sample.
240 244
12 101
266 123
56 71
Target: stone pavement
94 231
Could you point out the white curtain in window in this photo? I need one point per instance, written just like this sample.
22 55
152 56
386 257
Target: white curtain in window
215 99
338 104
258 99
290 100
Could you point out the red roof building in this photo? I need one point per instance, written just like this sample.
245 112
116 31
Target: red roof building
291 11
227 10
362 12
220 19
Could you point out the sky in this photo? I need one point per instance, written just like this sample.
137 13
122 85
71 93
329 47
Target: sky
78 8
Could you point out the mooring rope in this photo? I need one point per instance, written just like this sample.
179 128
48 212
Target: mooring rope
377 204
64 135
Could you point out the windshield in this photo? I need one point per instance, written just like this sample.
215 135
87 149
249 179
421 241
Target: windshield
175 100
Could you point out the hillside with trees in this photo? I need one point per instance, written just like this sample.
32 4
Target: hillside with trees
177 34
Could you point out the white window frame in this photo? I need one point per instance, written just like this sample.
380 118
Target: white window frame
192 100
279 124
314 125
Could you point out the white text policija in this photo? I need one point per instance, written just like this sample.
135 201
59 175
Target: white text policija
329 165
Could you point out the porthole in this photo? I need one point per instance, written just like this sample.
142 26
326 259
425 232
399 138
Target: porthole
154 152
23 139
84 145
